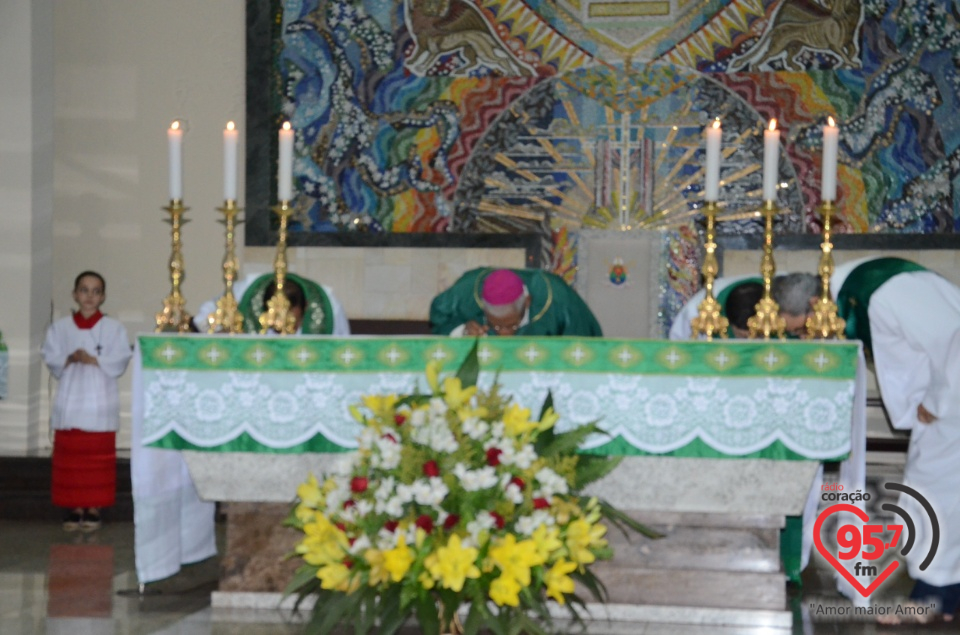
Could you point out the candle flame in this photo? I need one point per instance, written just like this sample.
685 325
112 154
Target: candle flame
230 125
773 124
831 122
716 122
286 125
175 125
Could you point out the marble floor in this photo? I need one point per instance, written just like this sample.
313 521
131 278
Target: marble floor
85 583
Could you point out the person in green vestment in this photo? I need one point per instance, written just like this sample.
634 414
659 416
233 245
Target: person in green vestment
737 297
314 307
490 301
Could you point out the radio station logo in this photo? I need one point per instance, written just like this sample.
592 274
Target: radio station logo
865 548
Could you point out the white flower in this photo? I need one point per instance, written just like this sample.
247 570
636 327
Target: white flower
389 455
475 480
550 483
361 544
526 525
514 493
385 490
418 417
475 428
483 522
431 491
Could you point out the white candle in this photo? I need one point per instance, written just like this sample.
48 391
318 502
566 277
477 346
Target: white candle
175 139
828 184
230 162
771 161
712 170
285 167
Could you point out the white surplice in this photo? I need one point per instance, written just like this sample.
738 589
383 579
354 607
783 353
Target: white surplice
915 328
87 395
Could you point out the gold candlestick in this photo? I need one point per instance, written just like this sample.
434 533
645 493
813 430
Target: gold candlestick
768 319
825 323
709 321
278 316
227 317
173 317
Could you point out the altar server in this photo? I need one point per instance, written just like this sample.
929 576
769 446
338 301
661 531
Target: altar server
86 352
909 318
511 302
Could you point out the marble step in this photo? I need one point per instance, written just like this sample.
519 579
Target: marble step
697 548
638 586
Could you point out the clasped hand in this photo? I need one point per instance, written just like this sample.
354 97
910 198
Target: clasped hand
81 356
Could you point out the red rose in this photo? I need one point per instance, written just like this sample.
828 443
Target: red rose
540 503
358 484
348 563
391 525
348 504
425 523
451 522
493 456
499 520
341 527
431 469
399 419
389 437
516 480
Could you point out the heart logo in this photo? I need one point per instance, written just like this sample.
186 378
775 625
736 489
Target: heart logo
818 541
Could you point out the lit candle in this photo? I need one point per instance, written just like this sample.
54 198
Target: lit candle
712 171
175 139
828 184
285 167
230 162
771 161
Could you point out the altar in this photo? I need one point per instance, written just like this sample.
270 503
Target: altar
737 427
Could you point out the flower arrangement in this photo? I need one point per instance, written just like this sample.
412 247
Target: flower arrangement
454 498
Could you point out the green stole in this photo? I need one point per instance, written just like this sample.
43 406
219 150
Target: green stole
725 293
317 317
853 299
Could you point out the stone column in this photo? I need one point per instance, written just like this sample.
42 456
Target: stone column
26 212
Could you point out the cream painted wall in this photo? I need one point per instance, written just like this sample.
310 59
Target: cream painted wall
120 72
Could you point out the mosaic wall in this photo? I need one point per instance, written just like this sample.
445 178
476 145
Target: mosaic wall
551 115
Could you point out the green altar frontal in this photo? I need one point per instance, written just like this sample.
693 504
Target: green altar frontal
738 399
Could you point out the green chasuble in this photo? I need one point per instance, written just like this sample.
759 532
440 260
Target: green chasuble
317 317
555 308
853 299
725 293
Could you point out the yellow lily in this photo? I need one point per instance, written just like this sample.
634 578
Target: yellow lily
309 492
557 580
548 420
581 535
453 564
433 375
516 420
334 576
397 561
547 540
377 562
505 591
455 394
515 558
381 405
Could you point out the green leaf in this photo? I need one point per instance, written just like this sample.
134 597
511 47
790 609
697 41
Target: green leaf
570 441
338 607
592 468
302 577
470 368
547 404
391 616
622 520
593 584
427 615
